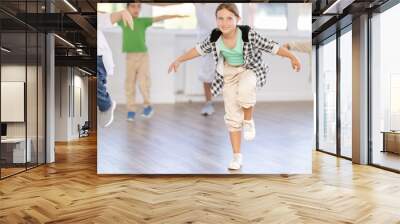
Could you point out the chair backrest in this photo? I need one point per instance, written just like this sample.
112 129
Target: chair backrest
86 125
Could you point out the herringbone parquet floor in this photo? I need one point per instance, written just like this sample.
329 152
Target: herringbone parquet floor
70 191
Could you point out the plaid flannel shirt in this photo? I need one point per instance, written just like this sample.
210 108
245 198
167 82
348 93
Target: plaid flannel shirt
253 45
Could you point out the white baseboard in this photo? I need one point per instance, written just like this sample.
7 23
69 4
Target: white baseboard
284 96
261 97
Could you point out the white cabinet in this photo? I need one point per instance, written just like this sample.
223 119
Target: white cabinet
18 149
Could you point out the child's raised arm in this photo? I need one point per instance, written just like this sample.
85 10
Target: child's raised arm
123 15
192 53
164 17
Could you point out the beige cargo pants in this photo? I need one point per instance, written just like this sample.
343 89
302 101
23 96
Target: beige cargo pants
239 91
137 72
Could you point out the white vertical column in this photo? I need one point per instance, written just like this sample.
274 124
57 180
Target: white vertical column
50 99
360 90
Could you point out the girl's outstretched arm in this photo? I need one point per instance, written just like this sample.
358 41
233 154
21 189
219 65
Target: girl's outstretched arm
300 46
202 48
270 46
192 53
286 53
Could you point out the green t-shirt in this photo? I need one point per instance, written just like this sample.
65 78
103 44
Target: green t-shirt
234 56
135 40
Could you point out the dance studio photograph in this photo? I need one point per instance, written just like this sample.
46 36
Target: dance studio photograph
205 88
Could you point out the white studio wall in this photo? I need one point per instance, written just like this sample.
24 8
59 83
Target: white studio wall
164 45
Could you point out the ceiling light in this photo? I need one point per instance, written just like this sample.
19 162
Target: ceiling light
337 7
326 11
70 5
64 40
84 71
5 50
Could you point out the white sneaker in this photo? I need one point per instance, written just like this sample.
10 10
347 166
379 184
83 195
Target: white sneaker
249 130
109 114
236 162
207 109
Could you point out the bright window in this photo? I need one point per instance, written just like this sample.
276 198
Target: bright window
346 93
182 9
327 96
178 23
304 21
385 87
271 16
110 7
394 101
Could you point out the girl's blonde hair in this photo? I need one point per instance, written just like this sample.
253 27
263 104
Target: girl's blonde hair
228 6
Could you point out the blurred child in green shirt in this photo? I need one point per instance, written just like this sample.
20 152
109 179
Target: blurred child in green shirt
137 59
